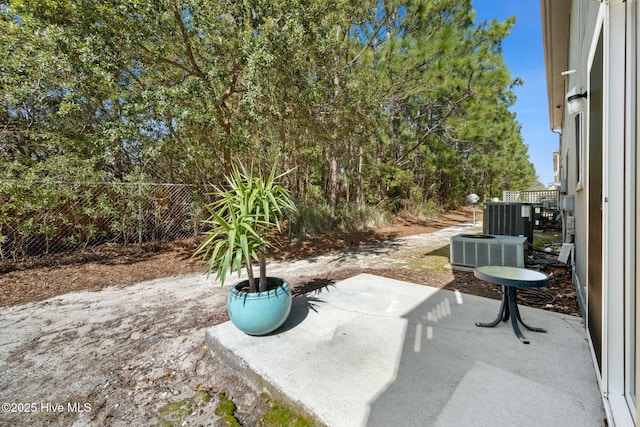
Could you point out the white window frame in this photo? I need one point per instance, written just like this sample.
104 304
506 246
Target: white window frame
616 211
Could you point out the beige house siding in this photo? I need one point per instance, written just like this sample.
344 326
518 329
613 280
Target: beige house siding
600 39
583 15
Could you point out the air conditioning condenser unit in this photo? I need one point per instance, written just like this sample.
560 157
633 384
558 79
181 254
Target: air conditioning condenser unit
508 219
475 250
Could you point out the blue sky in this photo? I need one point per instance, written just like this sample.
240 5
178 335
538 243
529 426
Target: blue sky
523 54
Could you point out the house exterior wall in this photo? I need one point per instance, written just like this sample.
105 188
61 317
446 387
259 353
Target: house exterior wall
574 161
602 60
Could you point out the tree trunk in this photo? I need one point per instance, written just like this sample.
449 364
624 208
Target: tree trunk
263 271
333 160
333 184
360 185
252 280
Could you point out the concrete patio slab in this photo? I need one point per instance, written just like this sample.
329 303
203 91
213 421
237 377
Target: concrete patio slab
378 352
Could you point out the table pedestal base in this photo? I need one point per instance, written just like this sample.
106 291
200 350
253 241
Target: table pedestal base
509 308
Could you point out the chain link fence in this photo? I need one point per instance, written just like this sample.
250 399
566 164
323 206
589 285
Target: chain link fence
47 217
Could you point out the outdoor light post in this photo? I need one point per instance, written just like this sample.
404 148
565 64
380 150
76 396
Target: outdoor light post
473 199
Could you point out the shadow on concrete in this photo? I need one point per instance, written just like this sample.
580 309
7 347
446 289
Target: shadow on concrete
300 307
451 372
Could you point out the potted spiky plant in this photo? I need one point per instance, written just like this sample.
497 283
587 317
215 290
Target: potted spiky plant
243 219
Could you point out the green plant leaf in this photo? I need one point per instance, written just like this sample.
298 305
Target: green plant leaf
241 218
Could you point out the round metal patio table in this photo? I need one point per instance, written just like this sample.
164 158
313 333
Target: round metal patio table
511 278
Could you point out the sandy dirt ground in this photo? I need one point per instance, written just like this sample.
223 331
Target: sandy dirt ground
116 353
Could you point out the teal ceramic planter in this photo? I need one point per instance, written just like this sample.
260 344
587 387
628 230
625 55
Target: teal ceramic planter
262 312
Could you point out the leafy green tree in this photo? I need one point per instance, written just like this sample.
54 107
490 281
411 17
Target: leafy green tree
374 102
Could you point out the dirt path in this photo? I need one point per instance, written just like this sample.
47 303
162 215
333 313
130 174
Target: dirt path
113 265
135 355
